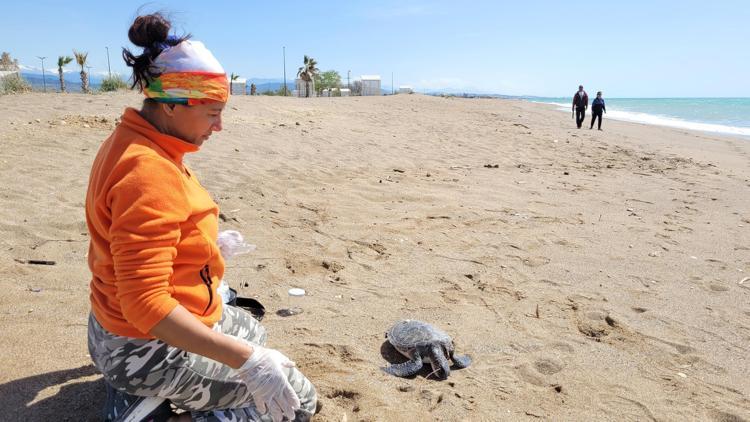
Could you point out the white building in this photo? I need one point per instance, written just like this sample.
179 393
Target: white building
345 92
300 88
405 89
370 84
238 86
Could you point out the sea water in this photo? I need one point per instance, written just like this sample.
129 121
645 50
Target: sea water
720 115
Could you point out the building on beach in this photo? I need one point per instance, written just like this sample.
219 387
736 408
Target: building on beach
370 85
405 89
300 88
239 86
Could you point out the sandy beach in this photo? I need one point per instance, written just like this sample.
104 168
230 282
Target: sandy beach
590 275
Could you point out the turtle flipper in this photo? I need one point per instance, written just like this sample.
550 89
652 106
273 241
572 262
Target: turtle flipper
405 369
461 361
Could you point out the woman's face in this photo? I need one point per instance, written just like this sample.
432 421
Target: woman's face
195 123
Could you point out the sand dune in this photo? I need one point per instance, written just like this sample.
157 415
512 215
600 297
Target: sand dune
590 275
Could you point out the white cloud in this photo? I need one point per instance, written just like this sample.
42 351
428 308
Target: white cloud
29 68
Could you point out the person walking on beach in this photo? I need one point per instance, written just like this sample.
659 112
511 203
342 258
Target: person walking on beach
597 106
157 326
580 104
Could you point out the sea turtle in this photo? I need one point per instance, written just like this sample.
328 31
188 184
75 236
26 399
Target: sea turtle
421 342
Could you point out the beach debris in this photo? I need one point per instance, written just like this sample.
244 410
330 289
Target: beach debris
682 375
422 342
399 171
654 254
232 243
491 166
295 293
520 125
38 120
744 280
34 289
35 262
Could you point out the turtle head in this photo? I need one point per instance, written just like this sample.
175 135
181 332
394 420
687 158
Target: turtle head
440 366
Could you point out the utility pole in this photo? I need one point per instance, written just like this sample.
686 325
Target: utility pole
44 77
391 83
348 84
284 52
109 69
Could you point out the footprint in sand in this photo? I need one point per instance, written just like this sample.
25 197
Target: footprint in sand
719 416
718 287
596 324
548 365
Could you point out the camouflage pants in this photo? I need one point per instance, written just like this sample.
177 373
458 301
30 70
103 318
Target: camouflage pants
206 388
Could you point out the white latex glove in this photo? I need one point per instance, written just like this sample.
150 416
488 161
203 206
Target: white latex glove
266 381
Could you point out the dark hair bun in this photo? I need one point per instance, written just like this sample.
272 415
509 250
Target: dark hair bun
151 32
148 30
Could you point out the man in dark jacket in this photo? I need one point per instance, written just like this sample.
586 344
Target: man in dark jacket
580 104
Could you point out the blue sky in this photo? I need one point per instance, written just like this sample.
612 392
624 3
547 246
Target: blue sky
546 48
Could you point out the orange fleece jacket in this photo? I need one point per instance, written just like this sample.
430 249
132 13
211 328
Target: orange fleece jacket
153 232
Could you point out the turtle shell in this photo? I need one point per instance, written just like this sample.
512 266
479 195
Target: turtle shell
410 333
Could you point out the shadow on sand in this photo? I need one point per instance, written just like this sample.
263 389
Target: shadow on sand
75 401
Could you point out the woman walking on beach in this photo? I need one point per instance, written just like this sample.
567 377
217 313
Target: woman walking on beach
157 326
597 106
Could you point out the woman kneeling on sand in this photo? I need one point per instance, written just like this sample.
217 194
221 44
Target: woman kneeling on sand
157 326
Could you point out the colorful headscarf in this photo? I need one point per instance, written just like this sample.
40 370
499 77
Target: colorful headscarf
190 75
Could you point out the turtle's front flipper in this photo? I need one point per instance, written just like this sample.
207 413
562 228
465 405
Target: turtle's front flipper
405 369
461 361
439 362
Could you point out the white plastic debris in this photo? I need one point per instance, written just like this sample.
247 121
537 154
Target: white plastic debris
232 243
296 292
223 291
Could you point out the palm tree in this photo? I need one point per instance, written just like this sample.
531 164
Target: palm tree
81 60
307 73
232 78
62 61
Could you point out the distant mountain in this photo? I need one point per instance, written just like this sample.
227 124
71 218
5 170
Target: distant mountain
72 81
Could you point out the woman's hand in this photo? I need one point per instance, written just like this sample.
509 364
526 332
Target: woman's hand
264 377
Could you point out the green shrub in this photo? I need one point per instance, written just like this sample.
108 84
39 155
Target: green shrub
14 83
113 83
